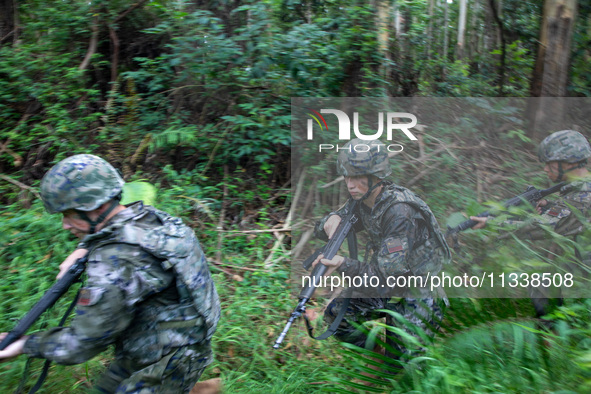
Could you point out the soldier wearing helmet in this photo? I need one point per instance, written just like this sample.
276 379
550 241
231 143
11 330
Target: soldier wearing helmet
564 154
148 289
85 189
405 240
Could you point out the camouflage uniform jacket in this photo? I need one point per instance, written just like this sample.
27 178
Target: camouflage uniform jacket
563 215
405 238
133 297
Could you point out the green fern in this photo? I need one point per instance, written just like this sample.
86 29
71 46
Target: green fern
485 345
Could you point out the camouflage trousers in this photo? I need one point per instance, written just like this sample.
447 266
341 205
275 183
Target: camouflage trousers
176 372
425 314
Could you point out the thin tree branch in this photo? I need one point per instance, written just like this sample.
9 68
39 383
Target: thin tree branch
115 56
127 11
335 181
272 230
218 254
18 160
499 22
91 45
21 185
8 35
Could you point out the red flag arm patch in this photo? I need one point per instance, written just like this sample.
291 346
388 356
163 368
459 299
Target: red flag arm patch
394 245
90 295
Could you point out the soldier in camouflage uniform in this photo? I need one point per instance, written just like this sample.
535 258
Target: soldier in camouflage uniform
148 289
404 240
564 154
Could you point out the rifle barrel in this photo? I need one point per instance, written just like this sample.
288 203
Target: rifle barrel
531 195
329 251
47 301
299 309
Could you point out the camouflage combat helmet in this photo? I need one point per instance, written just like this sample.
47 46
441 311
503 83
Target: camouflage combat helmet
359 157
567 145
80 182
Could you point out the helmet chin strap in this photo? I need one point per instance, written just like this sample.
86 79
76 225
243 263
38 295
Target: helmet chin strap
371 186
581 164
93 223
561 171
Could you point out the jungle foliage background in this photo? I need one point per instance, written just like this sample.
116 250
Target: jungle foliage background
194 97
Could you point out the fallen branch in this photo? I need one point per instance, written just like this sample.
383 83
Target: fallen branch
216 262
329 184
420 175
447 148
141 148
279 243
218 253
223 270
276 247
426 157
18 160
271 230
421 147
297 250
21 185
8 35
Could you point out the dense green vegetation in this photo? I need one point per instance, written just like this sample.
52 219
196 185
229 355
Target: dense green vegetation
194 96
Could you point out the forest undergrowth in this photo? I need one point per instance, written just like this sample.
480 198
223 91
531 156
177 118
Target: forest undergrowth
194 97
485 345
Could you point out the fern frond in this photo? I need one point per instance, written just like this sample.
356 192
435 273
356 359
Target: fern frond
485 346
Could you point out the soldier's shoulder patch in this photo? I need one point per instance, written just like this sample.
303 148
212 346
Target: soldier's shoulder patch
90 296
394 244
558 211
553 211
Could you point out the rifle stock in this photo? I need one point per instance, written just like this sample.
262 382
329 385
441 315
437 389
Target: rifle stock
47 301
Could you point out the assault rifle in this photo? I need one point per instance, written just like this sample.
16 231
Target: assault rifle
329 251
49 298
531 195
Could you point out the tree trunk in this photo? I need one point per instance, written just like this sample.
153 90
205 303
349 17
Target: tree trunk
497 17
383 28
397 21
474 35
551 70
430 28
445 30
461 30
498 11
7 26
490 38
559 28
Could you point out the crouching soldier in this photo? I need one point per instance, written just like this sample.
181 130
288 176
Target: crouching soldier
148 290
404 241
